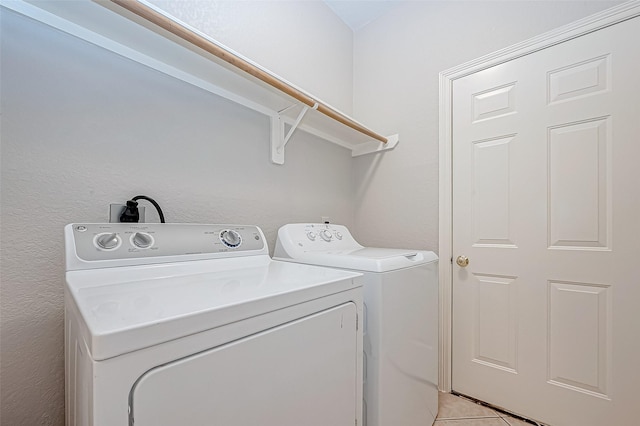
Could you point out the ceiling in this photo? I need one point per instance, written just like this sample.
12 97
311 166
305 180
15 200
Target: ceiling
358 13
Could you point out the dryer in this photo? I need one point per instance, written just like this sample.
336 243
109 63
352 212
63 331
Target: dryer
194 324
400 318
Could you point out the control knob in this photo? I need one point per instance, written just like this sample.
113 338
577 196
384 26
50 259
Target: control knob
230 238
326 235
311 236
108 241
142 240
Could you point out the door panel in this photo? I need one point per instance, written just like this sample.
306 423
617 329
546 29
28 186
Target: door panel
495 325
580 352
545 164
579 183
491 212
303 372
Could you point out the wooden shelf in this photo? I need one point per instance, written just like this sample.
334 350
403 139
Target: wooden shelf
139 31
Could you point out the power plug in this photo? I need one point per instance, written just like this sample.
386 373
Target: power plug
116 210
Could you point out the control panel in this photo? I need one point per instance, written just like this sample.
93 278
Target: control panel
327 234
318 236
108 241
332 245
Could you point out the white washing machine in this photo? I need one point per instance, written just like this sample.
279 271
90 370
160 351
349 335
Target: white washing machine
400 318
175 325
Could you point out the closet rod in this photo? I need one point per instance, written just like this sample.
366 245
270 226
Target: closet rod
186 34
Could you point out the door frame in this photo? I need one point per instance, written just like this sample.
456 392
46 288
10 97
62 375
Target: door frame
608 17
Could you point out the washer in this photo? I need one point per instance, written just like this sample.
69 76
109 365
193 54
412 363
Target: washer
176 324
400 318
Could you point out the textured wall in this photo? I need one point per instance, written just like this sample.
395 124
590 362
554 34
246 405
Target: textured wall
396 65
82 127
310 53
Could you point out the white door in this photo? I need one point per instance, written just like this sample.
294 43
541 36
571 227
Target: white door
546 206
300 373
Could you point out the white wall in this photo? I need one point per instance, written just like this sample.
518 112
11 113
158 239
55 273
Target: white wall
397 59
302 41
82 127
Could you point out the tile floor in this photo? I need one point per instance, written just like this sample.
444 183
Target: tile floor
457 411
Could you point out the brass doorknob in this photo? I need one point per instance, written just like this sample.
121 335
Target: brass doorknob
462 261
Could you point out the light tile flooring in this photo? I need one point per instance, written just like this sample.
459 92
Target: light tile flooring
457 411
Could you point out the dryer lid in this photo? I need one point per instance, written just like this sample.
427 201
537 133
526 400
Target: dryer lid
125 309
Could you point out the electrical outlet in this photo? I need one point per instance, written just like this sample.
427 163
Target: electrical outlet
325 219
115 210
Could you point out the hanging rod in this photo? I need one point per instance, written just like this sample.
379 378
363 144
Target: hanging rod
174 27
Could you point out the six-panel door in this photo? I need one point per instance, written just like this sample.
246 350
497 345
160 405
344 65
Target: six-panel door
546 163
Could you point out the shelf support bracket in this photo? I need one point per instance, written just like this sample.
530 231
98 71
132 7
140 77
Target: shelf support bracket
372 148
278 139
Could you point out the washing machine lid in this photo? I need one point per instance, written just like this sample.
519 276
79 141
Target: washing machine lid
125 309
368 259
328 244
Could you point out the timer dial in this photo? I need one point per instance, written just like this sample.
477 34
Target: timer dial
230 238
326 235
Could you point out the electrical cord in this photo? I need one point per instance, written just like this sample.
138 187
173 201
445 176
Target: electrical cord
152 201
131 213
